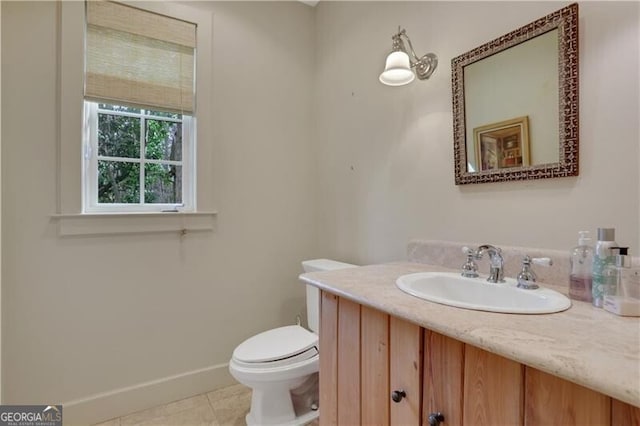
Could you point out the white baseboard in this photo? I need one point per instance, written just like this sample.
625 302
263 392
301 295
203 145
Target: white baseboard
119 402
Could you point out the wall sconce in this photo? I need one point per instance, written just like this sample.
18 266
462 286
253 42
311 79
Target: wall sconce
397 70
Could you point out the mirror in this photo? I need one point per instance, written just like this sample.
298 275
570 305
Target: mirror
515 104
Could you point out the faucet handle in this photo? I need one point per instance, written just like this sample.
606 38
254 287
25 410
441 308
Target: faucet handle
527 278
470 267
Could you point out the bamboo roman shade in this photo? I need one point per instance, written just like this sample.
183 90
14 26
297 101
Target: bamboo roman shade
136 57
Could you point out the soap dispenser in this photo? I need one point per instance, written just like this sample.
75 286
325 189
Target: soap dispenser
581 263
616 298
614 273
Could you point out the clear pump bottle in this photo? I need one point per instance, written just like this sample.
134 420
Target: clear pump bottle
614 273
603 257
580 278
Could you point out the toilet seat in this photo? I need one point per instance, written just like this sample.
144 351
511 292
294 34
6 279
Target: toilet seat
292 362
278 347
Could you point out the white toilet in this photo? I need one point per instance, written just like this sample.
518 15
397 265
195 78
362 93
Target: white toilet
281 365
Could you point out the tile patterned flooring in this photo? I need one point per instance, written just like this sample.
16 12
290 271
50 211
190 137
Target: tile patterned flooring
223 407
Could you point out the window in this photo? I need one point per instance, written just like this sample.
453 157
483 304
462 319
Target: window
139 135
95 84
137 159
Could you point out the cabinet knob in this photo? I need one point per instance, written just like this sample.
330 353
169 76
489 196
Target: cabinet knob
397 395
434 419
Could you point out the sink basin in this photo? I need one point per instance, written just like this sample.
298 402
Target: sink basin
450 288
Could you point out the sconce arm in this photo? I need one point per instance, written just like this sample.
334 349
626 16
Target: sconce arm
424 66
415 59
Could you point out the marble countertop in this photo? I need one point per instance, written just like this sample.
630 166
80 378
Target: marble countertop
585 345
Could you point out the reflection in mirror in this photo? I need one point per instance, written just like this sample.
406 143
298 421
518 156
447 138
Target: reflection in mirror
500 145
521 81
515 102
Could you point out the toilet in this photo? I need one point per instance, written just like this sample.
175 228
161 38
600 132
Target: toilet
281 365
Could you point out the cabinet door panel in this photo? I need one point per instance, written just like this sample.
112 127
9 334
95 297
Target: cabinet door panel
348 362
405 370
374 348
493 389
443 377
624 414
329 360
551 400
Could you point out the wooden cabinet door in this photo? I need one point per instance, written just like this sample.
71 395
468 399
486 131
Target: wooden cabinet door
493 389
551 400
624 414
328 359
348 362
405 371
443 378
374 353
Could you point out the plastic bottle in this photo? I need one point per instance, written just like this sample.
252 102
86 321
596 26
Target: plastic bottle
619 297
580 277
618 271
603 257
629 281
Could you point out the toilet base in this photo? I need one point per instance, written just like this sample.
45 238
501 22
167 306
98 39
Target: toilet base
279 404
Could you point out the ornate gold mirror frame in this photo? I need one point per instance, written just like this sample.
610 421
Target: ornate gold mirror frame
565 21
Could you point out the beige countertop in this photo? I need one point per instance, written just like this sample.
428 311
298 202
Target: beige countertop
585 345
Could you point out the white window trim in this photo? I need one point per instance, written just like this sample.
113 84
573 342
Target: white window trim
90 167
70 215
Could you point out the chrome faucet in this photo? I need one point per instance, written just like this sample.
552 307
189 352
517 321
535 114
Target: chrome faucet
496 268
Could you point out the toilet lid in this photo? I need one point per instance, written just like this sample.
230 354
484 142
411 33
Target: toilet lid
276 344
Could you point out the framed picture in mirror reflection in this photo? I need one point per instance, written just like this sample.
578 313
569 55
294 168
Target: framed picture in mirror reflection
502 145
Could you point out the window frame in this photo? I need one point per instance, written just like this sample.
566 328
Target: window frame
68 213
90 164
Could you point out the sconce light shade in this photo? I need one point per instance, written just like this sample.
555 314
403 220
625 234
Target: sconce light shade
397 71
398 68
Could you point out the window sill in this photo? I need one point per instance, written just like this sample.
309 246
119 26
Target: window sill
133 223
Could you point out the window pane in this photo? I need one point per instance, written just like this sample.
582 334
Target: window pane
118 136
164 140
118 182
165 114
163 184
119 108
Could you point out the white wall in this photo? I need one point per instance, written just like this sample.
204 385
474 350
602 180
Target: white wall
88 315
386 154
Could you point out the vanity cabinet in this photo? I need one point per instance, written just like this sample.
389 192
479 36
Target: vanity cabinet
376 369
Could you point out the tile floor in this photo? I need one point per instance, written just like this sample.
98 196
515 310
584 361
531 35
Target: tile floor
223 407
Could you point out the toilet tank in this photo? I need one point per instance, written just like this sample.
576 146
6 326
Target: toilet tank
313 293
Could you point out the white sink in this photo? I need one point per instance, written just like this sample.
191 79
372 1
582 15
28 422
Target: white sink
450 288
